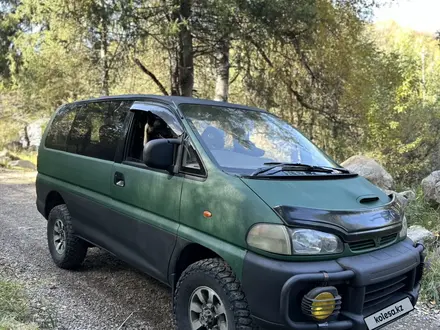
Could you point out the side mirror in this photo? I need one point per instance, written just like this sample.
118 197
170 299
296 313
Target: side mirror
160 153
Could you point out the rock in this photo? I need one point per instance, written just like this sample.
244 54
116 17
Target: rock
404 197
6 156
371 170
431 187
30 136
420 234
23 164
409 195
4 160
14 146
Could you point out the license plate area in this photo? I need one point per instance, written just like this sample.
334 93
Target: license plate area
388 314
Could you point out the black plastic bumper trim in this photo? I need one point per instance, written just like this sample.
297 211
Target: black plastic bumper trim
320 277
270 296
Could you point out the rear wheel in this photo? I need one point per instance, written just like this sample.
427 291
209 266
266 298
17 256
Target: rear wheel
67 250
208 296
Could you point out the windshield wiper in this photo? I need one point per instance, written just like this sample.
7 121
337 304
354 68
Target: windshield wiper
340 169
296 167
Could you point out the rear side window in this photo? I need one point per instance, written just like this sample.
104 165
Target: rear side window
97 129
60 127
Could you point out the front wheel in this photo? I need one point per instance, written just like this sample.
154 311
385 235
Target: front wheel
208 296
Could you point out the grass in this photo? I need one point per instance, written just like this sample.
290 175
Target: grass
431 280
30 156
420 212
14 308
24 155
17 312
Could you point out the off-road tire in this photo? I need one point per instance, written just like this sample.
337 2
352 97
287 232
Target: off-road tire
217 275
75 248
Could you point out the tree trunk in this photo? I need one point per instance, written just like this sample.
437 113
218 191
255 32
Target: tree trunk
105 76
186 80
174 70
312 126
222 71
26 139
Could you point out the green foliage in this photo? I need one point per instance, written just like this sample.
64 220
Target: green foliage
351 86
420 212
403 130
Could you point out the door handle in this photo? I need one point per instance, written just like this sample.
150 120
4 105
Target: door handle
118 179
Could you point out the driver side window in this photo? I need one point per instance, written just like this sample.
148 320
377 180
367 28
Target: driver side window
147 126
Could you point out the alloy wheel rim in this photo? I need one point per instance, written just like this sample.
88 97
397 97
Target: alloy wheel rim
206 310
59 236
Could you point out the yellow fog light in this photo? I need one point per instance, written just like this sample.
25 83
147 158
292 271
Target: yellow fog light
323 306
321 303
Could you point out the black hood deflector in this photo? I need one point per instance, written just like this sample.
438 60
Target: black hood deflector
351 225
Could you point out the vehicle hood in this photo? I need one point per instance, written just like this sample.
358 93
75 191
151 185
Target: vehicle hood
350 205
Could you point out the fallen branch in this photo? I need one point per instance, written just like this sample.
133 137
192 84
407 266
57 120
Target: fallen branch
151 75
120 327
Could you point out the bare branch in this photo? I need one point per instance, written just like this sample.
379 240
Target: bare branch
303 58
151 75
295 93
234 78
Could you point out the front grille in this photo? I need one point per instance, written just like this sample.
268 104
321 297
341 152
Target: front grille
379 292
370 243
388 239
362 245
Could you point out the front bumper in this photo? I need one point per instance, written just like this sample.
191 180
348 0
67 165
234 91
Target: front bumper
367 284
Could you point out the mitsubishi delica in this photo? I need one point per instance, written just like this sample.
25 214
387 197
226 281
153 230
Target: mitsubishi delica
250 224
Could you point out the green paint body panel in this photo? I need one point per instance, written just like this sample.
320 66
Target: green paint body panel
234 207
76 170
337 194
149 196
63 187
231 253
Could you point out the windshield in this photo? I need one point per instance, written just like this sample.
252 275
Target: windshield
243 140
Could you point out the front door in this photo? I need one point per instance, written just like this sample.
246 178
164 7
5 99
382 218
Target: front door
147 199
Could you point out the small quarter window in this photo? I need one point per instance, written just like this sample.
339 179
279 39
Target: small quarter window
191 163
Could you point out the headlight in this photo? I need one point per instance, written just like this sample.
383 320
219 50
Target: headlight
308 241
271 238
404 230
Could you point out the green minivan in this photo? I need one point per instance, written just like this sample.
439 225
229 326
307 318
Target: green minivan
250 224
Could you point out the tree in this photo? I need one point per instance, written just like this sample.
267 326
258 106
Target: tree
9 26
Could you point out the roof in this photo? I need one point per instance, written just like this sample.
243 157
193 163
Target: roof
176 100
